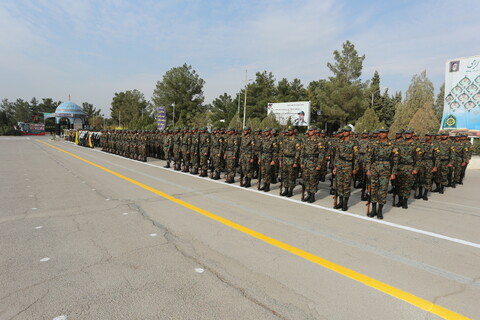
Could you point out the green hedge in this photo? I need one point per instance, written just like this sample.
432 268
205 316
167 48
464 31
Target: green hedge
9 131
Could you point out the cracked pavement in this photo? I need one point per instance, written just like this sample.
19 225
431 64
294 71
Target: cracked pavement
105 265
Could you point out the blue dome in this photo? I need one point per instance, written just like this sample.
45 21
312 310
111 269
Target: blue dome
69 107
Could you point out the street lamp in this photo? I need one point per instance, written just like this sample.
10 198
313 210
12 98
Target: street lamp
245 101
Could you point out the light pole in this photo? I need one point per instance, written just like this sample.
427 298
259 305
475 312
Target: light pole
173 105
245 101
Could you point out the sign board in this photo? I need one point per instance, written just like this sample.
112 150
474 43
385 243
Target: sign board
462 95
298 112
161 118
31 129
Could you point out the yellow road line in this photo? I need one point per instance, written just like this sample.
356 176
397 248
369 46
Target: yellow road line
366 280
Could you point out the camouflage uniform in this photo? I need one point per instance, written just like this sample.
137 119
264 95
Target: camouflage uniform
443 159
247 145
313 156
216 154
346 162
409 156
289 156
204 148
269 153
231 151
425 167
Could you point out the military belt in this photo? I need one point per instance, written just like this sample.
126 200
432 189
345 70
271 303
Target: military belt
448 159
289 155
406 163
312 155
427 158
344 159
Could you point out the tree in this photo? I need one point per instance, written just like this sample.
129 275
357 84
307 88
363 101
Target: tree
128 105
22 111
369 121
270 121
222 108
181 87
439 103
7 110
259 94
290 91
90 111
235 123
419 93
48 105
386 112
424 120
342 97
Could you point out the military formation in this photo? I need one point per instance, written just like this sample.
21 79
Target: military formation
368 161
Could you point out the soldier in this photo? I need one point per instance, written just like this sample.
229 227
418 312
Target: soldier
312 155
266 159
425 167
177 149
363 143
443 159
247 158
409 155
204 148
381 164
230 156
289 158
460 159
168 147
194 151
216 153
345 165
276 167
467 145
257 149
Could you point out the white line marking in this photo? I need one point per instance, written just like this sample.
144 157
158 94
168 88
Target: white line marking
44 259
153 234
107 199
34 208
199 270
62 317
125 213
345 213
38 227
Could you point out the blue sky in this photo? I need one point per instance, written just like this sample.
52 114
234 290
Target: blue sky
92 49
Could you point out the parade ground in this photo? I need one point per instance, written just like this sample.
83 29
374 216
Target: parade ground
90 235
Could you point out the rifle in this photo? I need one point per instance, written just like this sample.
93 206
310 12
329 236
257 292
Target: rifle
303 189
369 196
394 188
259 176
335 197
241 176
281 182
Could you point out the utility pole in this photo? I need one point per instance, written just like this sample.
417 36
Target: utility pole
245 101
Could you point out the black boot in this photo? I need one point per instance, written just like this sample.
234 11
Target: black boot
460 182
345 204
400 202
391 190
307 197
284 193
379 212
290 192
373 213
405 203
274 180
437 188
168 165
454 185
311 198
267 187
262 186
231 180
247 183
420 193
441 189
195 171
217 175
425 194
332 191
340 204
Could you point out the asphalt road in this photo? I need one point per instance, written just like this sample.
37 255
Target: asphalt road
114 238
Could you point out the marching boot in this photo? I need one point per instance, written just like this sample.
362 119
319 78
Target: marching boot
311 198
345 204
263 186
454 185
379 212
232 180
322 178
449 182
405 203
290 192
307 197
168 165
373 213
442 189
460 182
247 184
437 188
340 204
267 187
420 193
400 202
274 180
364 196
284 193
144 159
217 175
391 190
425 194
332 191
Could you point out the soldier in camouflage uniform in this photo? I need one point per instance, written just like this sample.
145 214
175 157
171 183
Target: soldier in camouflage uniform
409 156
289 158
360 177
443 159
467 145
216 153
204 149
247 145
425 167
230 155
168 147
177 149
345 165
194 151
381 163
257 149
186 142
312 159
267 159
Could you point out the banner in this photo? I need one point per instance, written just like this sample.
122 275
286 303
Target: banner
161 118
298 112
31 129
462 95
